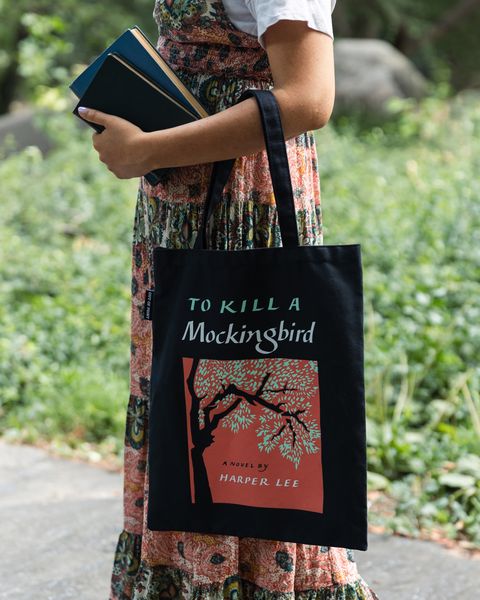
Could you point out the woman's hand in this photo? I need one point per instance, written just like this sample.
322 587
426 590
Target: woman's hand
122 146
302 65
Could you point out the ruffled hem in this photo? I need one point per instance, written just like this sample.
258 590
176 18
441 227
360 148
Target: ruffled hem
235 224
133 579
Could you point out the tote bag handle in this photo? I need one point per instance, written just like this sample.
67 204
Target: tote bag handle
279 172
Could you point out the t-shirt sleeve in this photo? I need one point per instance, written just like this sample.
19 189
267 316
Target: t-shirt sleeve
317 13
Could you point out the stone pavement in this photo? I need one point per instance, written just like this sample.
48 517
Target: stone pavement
61 519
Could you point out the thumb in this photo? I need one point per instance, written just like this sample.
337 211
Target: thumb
91 114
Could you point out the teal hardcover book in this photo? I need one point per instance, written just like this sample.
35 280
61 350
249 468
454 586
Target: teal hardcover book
134 45
120 89
145 90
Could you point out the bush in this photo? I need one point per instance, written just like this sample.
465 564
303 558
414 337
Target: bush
65 287
410 194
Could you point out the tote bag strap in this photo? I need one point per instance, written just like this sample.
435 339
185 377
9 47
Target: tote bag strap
279 171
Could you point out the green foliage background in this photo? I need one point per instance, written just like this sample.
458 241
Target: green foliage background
66 234
41 39
410 196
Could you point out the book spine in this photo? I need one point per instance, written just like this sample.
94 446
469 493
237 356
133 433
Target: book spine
153 177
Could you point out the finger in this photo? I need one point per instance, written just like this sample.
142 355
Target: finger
91 114
96 138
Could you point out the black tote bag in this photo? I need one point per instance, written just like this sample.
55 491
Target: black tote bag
257 409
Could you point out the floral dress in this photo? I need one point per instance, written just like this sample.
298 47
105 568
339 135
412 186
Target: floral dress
217 62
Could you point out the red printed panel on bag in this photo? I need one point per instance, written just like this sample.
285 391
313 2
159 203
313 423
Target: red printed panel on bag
254 434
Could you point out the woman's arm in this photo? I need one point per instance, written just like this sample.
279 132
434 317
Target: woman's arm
301 61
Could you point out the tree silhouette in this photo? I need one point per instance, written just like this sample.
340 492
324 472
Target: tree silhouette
225 392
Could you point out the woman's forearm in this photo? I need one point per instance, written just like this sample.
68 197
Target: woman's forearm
235 131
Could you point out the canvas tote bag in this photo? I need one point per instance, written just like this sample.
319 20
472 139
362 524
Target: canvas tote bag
257 412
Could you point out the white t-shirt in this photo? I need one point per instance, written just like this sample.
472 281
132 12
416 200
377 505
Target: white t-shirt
255 16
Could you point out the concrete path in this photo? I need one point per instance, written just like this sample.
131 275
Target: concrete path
404 569
60 521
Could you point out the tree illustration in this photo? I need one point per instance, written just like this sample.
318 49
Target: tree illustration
225 392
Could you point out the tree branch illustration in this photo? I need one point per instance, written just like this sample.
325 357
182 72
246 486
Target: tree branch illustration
254 399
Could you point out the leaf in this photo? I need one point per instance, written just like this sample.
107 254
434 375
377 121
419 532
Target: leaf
469 464
456 480
375 481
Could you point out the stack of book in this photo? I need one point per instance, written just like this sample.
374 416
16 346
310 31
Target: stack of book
130 79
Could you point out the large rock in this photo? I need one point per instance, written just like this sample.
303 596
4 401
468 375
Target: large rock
368 72
20 129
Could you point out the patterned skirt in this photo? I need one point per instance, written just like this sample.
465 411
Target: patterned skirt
149 564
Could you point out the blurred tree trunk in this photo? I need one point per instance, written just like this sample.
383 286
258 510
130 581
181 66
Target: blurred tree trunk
9 76
452 17
429 32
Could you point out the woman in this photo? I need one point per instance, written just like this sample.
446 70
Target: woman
219 49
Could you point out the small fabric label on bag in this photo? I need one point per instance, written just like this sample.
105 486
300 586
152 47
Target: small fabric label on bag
147 307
